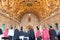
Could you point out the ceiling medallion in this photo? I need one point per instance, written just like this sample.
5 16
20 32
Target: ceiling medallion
29 3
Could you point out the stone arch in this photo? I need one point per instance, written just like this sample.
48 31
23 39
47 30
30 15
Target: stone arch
30 11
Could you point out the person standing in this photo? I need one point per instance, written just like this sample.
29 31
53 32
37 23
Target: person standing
26 34
59 34
1 31
31 34
45 34
21 33
16 34
38 34
52 33
5 34
11 33
1 34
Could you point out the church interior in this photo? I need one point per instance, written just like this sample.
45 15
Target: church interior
29 13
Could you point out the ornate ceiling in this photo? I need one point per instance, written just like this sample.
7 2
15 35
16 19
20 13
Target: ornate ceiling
41 8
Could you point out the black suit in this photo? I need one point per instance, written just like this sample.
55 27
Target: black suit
59 35
1 32
52 33
16 34
31 34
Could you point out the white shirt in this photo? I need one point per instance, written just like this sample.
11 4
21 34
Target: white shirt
11 32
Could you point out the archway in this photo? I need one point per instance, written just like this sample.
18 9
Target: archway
37 14
29 19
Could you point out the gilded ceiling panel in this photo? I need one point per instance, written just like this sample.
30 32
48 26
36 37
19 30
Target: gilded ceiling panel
43 8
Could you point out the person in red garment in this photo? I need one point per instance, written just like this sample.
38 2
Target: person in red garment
38 34
5 34
45 34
